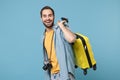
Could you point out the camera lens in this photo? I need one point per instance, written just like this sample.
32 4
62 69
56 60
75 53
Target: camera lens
45 67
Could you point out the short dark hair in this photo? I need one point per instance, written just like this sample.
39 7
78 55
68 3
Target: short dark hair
46 7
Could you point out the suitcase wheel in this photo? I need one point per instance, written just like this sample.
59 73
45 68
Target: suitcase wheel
84 71
94 67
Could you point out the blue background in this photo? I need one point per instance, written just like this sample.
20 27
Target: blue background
21 30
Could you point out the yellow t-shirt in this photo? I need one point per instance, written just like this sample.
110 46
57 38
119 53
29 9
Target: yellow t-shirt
51 52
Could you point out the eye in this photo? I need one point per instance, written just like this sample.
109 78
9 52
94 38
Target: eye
43 16
50 15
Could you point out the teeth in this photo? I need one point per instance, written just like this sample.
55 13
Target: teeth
47 22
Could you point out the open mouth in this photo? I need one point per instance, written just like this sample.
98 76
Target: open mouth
48 21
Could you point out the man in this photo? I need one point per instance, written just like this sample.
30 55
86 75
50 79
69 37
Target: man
57 50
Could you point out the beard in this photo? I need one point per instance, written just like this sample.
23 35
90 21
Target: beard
49 25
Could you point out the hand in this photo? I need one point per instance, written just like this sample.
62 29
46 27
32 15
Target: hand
61 23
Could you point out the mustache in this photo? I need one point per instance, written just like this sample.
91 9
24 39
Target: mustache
48 26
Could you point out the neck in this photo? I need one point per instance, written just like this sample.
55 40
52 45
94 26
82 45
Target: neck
48 29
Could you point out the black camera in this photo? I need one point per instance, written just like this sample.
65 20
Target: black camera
47 66
66 21
63 18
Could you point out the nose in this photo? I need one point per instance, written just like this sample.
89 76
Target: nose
47 17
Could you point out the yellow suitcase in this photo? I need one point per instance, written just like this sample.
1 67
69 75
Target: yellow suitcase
83 53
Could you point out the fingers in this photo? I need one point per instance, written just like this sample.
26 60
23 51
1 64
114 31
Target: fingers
61 22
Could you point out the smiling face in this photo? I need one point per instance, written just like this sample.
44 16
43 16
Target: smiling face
47 18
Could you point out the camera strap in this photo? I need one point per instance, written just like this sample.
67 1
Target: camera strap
45 50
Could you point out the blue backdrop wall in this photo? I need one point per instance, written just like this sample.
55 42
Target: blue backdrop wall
21 31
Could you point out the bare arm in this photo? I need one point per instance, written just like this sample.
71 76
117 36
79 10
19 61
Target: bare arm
69 36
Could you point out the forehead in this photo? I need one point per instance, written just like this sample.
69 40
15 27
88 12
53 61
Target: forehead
47 11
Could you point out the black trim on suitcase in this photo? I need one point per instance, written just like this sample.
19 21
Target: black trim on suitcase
86 49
